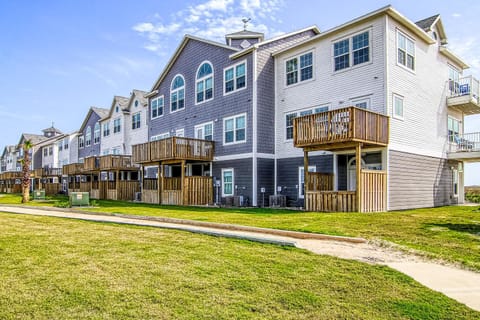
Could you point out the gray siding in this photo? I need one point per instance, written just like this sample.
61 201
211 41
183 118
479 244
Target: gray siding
265 174
287 174
93 149
37 158
419 181
187 63
242 176
342 164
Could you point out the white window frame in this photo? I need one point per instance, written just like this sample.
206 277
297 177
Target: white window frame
203 80
455 184
160 136
180 133
106 128
234 118
88 137
407 38
139 114
120 125
394 111
202 126
234 67
449 135
81 142
313 110
162 98
298 71
177 90
95 132
351 64
356 101
301 176
223 182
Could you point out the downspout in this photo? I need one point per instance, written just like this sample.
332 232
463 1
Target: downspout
386 152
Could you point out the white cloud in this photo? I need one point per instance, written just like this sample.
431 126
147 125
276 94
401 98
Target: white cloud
456 15
211 19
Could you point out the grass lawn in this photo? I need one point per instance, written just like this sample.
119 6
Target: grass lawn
448 233
63 269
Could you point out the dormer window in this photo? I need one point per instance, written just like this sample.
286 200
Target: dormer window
177 94
204 82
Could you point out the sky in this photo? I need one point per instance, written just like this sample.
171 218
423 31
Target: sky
58 58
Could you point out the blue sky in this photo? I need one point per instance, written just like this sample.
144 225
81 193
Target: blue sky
58 58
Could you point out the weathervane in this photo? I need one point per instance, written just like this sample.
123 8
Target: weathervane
245 22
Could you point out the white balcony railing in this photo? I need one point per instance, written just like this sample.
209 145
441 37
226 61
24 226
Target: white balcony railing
465 142
468 86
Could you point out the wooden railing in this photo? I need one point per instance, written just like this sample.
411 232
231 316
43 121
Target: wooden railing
108 162
317 181
47 172
331 201
72 169
150 184
349 124
374 191
173 148
172 183
198 191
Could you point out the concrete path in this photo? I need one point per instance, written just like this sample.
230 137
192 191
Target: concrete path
458 284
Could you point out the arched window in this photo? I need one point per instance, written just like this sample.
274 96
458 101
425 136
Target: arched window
96 133
204 82
177 94
88 137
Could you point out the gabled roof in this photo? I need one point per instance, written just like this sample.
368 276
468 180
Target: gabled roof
101 112
140 96
244 34
177 52
33 138
389 10
52 129
259 44
429 23
120 101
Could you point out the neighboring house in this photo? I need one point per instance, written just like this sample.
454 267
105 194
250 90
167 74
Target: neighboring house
222 93
67 146
89 138
9 159
136 124
385 63
112 128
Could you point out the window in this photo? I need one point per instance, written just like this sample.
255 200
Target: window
50 150
116 150
88 137
45 151
453 80
160 136
306 68
455 182
290 116
234 129
204 82
180 133
81 142
301 180
405 51
204 131
156 106
453 129
117 127
106 129
65 143
234 78
60 145
177 94
397 106
105 152
136 103
352 51
227 182
96 133
136 121
361 103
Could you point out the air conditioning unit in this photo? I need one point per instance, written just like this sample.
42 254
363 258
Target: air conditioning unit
238 201
278 201
138 196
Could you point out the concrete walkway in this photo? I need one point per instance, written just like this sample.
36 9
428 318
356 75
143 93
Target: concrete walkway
458 284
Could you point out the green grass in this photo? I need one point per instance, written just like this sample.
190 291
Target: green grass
63 269
448 233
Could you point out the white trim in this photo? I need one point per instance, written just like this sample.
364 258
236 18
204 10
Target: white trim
351 64
233 182
120 121
407 37
298 71
300 169
359 100
212 75
254 129
156 137
248 155
234 129
163 107
139 113
176 91
234 66
180 132
401 98
417 150
202 125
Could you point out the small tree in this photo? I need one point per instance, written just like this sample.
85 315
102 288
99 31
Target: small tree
25 161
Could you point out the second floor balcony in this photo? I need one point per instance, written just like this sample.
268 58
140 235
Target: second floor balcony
340 129
464 95
173 148
109 162
47 172
465 147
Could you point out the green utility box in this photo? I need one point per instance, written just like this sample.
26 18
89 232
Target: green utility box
39 194
79 199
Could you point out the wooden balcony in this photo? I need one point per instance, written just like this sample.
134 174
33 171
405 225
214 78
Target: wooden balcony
340 129
464 95
109 162
72 169
465 147
174 148
47 172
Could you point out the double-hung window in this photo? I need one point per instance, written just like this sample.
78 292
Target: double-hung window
405 51
352 51
45 151
106 128
60 145
96 133
204 82
117 126
136 120
235 78
177 94
235 129
299 68
81 142
65 144
227 182
156 106
88 137
453 129
204 131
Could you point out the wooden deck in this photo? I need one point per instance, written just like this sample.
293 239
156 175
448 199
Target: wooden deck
109 162
47 172
174 148
72 169
341 129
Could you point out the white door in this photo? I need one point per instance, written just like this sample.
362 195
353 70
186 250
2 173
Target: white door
352 174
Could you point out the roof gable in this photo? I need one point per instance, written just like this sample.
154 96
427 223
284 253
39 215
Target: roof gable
121 102
137 95
100 112
428 24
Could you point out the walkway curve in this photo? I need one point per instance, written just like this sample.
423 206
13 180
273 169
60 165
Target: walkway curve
461 285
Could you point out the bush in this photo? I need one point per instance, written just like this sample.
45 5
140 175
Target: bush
472 197
62 204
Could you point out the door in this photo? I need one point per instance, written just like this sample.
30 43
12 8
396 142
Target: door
352 174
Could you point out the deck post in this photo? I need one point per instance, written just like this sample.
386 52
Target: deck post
160 182
182 181
305 178
358 161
